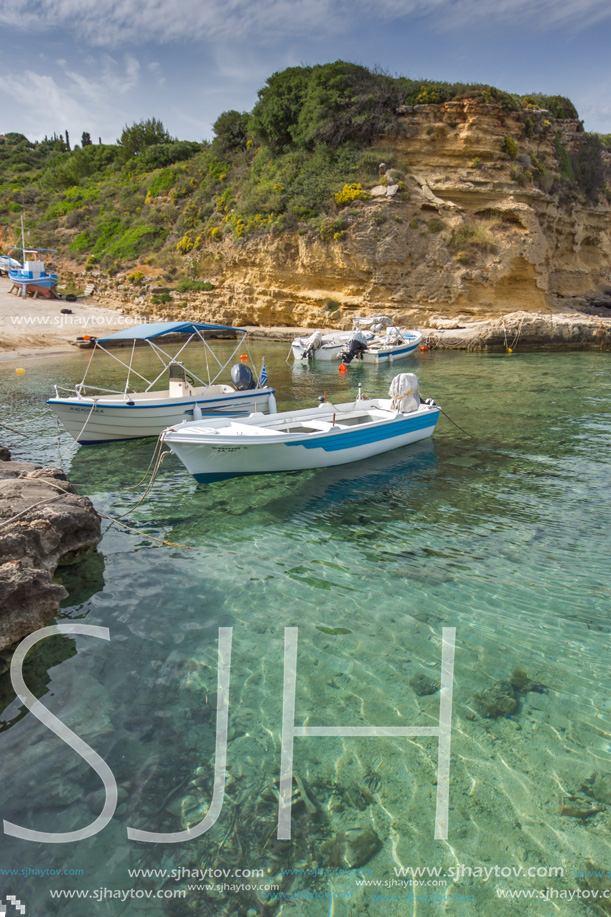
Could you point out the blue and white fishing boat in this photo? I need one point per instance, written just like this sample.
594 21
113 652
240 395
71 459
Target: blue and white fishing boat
31 276
98 415
330 434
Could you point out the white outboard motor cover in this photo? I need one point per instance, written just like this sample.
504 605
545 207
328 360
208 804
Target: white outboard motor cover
359 336
314 342
404 393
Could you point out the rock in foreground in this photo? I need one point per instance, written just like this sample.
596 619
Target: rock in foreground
43 523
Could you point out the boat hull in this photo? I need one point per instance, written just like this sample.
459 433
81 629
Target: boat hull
330 349
217 456
391 354
28 279
108 421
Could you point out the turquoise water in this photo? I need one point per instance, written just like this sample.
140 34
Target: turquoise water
502 534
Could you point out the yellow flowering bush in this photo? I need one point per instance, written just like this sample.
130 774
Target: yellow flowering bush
351 193
186 244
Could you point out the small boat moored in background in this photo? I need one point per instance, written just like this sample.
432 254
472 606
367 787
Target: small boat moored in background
8 264
317 437
372 340
97 415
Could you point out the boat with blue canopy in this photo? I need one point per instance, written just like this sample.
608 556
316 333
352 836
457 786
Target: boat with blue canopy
143 407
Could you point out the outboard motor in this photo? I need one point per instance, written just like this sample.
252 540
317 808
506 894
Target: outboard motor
355 348
311 345
242 377
405 393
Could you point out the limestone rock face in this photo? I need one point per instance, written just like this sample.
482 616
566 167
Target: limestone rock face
468 232
43 523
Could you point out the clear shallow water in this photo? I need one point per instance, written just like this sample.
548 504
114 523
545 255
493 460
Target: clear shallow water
503 536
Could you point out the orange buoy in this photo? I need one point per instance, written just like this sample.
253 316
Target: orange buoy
86 337
243 356
423 348
342 367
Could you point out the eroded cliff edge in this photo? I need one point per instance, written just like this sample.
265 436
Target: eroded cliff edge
480 223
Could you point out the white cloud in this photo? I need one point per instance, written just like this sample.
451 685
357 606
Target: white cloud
108 23
69 98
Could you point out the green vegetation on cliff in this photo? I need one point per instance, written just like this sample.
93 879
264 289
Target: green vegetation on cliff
309 149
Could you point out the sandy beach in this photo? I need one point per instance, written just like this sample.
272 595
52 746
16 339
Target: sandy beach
31 326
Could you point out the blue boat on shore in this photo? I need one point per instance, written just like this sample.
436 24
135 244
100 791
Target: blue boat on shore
32 273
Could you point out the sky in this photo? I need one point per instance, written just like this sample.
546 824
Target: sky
99 65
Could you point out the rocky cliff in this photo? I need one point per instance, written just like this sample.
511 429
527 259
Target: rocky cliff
472 216
43 524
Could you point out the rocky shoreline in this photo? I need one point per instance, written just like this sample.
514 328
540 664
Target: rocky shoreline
524 331
44 524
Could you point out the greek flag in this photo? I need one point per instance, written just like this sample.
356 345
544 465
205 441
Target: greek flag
263 376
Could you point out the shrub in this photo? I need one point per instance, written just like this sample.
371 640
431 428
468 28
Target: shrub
329 228
588 166
559 106
436 225
469 237
510 147
186 244
350 193
231 131
195 286
191 215
332 104
136 277
163 181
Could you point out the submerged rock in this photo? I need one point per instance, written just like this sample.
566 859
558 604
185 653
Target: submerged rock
353 848
598 786
523 683
43 523
423 685
499 700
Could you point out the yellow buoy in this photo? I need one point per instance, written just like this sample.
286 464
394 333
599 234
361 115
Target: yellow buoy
509 350
20 372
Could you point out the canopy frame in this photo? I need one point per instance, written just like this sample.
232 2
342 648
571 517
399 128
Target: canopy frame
196 330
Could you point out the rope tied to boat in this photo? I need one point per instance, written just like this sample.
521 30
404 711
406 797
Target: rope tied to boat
466 432
158 463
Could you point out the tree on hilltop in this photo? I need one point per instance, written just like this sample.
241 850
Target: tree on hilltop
231 131
140 135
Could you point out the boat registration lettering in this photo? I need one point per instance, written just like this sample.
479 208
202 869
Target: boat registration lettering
85 409
227 448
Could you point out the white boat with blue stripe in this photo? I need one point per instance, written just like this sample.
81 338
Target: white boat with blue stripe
330 434
96 415
372 340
